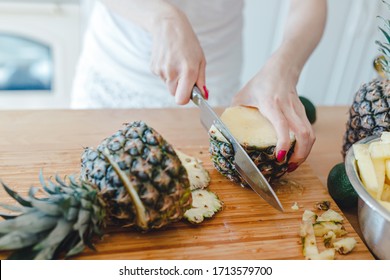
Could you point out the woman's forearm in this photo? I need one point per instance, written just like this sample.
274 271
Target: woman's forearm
146 13
304 28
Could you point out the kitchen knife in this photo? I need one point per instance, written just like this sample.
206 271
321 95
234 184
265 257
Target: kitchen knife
243 163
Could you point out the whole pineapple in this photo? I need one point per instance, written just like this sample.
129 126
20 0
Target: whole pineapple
134 178
256 135
140 177
369 113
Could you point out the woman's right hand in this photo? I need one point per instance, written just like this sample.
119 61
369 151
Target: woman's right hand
177 57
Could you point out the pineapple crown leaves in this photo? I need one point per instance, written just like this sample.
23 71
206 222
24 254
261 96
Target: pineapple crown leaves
384 47
57 224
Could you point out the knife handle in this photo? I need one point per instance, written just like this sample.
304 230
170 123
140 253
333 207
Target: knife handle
196 95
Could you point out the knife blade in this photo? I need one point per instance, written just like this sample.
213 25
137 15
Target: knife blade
243 163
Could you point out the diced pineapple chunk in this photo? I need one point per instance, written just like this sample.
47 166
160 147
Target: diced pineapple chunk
385 204
366 167
380 150
385 195
387 164
385 136
380 171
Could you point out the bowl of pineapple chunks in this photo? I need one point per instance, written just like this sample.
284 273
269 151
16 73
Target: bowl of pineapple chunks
368 168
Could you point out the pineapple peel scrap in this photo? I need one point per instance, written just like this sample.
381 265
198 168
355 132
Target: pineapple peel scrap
198 176
328 226
204 205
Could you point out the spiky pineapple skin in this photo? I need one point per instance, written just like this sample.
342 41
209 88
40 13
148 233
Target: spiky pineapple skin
369 112
222 156
152 167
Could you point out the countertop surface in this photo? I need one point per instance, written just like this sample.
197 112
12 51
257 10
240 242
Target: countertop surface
52 141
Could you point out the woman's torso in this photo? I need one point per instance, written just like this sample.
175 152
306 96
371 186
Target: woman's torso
119 51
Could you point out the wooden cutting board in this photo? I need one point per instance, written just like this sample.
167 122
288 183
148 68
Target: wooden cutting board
246 228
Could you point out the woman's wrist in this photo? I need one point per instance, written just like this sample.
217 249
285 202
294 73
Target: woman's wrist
284 65
167 15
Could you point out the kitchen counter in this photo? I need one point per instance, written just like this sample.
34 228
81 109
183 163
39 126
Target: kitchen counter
52 141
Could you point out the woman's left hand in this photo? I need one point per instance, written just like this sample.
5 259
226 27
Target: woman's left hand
273 92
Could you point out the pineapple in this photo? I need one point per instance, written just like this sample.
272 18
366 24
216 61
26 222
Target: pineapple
258 137
369 113
139 176
133 178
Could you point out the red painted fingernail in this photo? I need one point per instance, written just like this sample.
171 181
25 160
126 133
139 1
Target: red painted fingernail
292 166
281 155
206 92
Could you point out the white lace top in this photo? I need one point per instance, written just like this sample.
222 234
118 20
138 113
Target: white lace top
114 67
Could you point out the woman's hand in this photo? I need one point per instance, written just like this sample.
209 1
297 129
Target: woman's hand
273 92
177 57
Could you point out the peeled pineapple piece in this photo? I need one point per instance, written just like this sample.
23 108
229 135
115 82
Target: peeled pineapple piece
380 150
366 167
385 136
387 165
385 195
204 205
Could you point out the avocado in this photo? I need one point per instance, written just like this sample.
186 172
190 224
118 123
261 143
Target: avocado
310 109
340 188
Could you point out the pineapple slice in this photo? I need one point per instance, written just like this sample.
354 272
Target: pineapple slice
345 245
366 167
198 176
204 205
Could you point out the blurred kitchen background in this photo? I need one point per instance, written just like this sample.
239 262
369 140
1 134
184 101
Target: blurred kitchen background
40 41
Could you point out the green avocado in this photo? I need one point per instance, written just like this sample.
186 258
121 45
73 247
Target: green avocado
310 109
340 188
